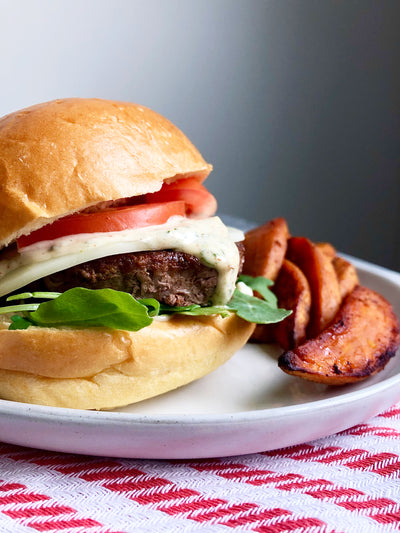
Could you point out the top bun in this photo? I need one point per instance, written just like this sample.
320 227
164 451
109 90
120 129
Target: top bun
63 156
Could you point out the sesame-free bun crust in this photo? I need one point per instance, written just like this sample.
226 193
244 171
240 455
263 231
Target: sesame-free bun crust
65 155
101 369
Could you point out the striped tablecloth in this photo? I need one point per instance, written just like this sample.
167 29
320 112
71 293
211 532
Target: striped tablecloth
348 482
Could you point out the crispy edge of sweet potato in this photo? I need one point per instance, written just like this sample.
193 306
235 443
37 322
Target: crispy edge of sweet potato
293 293
265 249
346 275
321 276
363 337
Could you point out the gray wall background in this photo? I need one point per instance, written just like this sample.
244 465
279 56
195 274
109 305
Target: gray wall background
295 102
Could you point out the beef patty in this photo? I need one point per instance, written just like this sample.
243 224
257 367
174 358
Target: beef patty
173 278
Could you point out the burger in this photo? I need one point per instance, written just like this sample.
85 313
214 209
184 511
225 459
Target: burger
117 280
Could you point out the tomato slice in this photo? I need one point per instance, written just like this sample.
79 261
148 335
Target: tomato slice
200 203
114 219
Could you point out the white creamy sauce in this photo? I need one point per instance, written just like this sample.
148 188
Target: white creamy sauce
208 239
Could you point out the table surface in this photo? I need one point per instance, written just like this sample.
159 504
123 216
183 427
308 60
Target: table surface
347 482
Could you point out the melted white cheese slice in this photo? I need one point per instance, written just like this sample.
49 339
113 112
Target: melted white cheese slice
208 239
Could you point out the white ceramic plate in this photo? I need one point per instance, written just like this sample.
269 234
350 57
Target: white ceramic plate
246 406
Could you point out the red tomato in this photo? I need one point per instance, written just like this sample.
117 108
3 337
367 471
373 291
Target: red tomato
114 219
199 202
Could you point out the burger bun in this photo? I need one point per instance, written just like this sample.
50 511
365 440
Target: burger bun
98 368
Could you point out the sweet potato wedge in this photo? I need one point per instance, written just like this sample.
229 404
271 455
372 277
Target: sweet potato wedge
327 249
265 249
345 271
346 275
293 292
319 271
363 337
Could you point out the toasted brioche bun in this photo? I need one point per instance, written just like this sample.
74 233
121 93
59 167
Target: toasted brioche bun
63 156
99 369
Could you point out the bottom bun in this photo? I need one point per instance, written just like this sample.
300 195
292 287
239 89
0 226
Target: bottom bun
102 369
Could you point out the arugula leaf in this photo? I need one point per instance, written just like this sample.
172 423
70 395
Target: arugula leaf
255 310
17 308
81 307
153 305
250 308
18 322
195 310
24 295
260 285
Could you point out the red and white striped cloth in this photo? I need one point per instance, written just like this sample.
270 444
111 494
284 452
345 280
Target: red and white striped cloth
348 482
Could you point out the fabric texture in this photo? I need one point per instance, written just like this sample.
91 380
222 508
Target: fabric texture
347 482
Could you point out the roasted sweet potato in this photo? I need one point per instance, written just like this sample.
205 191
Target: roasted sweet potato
346 275
293 292
327 249
345 271
363 337
319 271
265 248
